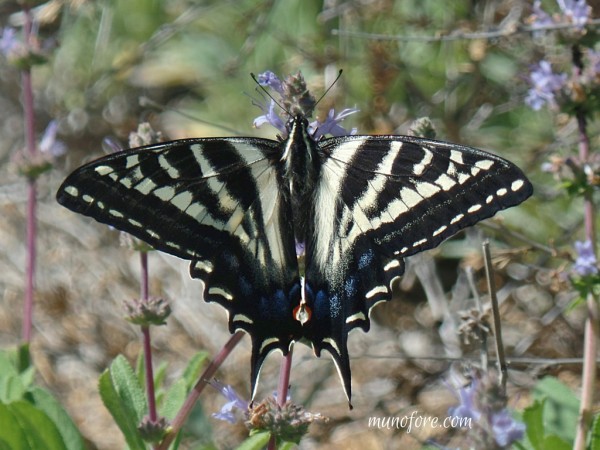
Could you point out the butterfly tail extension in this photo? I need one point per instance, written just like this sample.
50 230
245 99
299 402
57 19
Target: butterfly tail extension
341 298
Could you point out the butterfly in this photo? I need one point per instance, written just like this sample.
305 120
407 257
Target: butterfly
297 238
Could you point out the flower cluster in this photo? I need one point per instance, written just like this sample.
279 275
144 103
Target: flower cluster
153 431
50 147
559 90
545 86
20 54
287 423
144 135
151 311
295 99
483 402
586 262
576 12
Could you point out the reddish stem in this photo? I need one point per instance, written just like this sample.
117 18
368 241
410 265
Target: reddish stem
147 343
193 396
149 375
284 378
282 388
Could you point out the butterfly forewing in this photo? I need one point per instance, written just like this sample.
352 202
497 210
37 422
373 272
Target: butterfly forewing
394 196
217 202
226 205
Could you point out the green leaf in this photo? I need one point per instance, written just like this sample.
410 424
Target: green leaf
534 420
16 374
24 427
547 418
194 368
45 402
595 433
553 442
173 399
11 388
561 408
128 386
160 373
7 365
257 441
124 398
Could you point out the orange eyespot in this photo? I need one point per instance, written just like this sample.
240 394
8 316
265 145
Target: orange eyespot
302 313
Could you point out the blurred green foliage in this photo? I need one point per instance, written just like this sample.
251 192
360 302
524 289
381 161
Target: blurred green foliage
196 57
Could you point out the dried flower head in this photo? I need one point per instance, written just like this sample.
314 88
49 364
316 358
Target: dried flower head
153 431
144 135
151 311
287 423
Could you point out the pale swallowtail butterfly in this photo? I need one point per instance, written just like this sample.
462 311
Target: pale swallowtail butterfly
237 207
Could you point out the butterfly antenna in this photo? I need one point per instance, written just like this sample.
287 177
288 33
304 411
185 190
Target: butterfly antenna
262 88
330 86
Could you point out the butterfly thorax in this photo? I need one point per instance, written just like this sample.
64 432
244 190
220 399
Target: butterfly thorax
302 171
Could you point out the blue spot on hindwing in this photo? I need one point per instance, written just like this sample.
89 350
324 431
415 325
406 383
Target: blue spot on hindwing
325 307
350 287
335 306
366 259
275 307
321 306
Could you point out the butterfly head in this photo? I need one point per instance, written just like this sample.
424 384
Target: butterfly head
296 104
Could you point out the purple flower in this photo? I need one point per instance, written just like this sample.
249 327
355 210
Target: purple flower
586 263
295 98
10 45
271 80
506 429
270 117
466 407
484 403
234 401
545 84
540 17
111 144
49 144
576 11
331 124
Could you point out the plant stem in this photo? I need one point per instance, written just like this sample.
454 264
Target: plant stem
284 378
29 114
591 333
150 393
489 273
282 388
208 373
